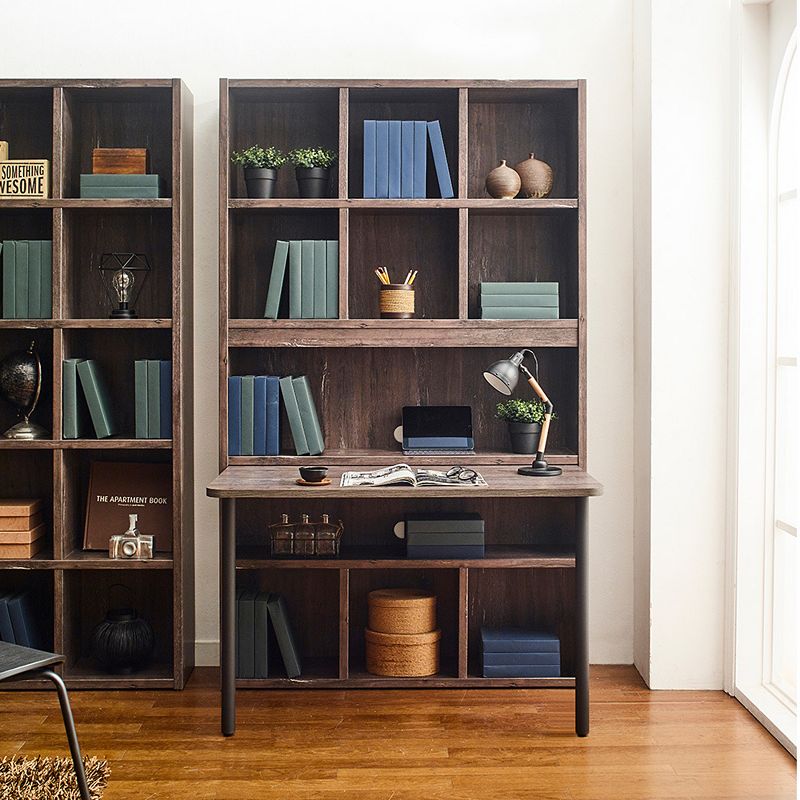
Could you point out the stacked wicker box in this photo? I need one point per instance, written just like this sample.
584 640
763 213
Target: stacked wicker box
22 528
402 639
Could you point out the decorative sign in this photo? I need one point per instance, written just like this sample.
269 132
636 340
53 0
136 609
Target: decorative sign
25 178
3 151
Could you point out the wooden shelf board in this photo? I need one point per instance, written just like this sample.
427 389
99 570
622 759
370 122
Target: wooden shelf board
28 324
85 675
363 680
94 559
80 202
86 444
42 560
520 204
130 324
391 83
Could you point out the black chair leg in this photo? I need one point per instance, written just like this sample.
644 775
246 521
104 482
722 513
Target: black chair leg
69 726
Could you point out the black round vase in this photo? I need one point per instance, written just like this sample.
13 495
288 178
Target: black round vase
123 642
313 182
524 437
260 182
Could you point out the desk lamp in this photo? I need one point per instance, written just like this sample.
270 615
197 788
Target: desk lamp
504 376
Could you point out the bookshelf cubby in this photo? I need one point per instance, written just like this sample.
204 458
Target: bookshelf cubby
63 121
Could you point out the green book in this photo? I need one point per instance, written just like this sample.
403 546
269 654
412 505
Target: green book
261 635
74 422
153 398
140 398
115 192
308 415
520 300
248 414
307 279
34 279
279 615
320 279
520 313
332 279
21 280
9 280
295 283
120 180
97 398
293 413
245 628
518 287
46 300
276 279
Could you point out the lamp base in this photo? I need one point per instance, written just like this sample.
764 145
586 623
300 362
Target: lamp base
123 313
540 469
26 431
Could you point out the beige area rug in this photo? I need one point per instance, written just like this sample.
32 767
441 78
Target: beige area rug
37 778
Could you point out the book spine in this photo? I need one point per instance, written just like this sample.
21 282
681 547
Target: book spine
21 280
276 279
46 302
407 158
522 671
295 283
307 280
332 279
440 159
444 551
308 415
153 399
279 615
248 400
424 538
519 313
69 398
369 158
118 192
165 393
6 629
96 394
395 157
519 300
293 413
273 445
35 279
246 635
261 636
420 158
119 180
260 415
518 287
446 526
140 397
381 158
320 279
520 646
234 415
529 659
9 279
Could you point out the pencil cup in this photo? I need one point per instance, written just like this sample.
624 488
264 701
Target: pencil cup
397 301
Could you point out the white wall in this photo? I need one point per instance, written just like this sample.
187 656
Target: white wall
421 39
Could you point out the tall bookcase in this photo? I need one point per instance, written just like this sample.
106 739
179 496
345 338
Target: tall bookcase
363 369
63 121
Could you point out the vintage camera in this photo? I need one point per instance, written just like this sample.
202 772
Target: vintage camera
131 544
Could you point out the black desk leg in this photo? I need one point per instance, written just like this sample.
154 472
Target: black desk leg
227 614
581 621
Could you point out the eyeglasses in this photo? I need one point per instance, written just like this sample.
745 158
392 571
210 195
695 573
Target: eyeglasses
462 473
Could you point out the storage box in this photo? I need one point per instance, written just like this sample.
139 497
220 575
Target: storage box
404 611
402 655
120 160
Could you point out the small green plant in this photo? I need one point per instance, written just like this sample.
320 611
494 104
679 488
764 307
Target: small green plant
257 157
308 157
528 411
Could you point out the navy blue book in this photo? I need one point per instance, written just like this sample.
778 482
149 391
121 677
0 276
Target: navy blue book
521 671
518 640
260 416
395 157
420 158
444 551
369 158
165 397
407 158
440 159
273 416
23 620
6 631
235 415
381 158
521 659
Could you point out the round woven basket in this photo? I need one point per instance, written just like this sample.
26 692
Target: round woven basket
402 655
397 301
402 611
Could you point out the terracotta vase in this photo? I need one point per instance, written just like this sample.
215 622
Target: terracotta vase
536 176
502 182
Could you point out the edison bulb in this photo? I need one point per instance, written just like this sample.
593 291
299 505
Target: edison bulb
122 282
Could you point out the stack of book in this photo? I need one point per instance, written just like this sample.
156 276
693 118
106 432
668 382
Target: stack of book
396 158
313 279
255 611
444 536
27 279
21 528
253 419
519 300
520 653
153 396
85 401
18 620
120 186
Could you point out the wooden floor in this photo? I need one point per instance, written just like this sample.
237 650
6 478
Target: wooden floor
413 745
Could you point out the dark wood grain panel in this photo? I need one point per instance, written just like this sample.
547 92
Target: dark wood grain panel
26 121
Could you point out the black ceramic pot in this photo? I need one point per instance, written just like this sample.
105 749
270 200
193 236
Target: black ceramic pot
313 182
123 642
260 182
524 437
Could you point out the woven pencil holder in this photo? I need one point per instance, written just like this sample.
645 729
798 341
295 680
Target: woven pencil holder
406 611
397 301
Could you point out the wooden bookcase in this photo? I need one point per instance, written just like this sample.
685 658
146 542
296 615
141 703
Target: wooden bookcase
364 369
63 121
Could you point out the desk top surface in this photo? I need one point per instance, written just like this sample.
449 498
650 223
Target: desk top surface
503 481
16 660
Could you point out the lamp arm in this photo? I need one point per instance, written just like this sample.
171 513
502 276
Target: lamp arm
548 411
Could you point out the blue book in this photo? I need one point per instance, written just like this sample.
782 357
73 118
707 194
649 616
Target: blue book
6 631
23 620
523 671
260 415
420 158
295 281
369 158
518 640
521 659
381 158
440 159
165 392
395 157
248 405
276 280
234 415
407 158
444 551
273 416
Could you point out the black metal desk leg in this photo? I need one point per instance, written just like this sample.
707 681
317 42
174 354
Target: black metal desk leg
581 620
227 614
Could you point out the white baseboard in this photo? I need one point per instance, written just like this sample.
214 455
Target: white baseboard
206 653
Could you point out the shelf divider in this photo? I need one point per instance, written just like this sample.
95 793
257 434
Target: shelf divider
463 621
344 133
344 624
463 143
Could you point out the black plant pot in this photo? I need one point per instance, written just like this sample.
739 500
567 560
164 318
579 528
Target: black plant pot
260 182
313 182
524 437
123 642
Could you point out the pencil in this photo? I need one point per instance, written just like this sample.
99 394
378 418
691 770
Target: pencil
413 277
405 282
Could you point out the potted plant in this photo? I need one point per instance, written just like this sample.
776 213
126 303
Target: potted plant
524 418
261 167
313 170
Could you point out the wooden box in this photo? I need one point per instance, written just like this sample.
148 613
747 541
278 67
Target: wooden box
404 611
402 655
120 161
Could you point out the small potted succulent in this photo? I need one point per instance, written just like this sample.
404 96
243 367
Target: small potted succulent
524 418
261 167
313 170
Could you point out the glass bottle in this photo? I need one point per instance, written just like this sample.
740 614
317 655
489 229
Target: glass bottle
282 537
327 538
304 535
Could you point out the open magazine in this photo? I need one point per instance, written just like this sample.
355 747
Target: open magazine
404 475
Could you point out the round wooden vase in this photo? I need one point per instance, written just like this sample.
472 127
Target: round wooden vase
503 183
536 176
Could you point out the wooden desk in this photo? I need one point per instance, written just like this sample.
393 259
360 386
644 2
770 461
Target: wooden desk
248 482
